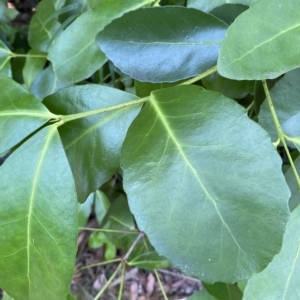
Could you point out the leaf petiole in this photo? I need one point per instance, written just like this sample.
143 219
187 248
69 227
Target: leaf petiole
280 132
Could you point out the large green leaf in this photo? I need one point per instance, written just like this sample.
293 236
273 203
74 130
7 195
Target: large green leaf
285 98
93 144
38 229
75 54
5 56
201 177
163 44
258 44
207 6
20 113
280 280
44 25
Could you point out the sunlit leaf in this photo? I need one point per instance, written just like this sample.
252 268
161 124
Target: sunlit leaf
38 220
163 44
200 187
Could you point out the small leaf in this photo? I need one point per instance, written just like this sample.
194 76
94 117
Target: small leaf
229 88
35 62
84 210
255 48
163 44
46 83
5 56
101 205
280 280
43 26
285 98
293 185
38 229
208 6
77 56
149 261
228 12
223 291
195 212
20 113
93 144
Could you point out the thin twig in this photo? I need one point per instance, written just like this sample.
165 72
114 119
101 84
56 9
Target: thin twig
109 230
160 284
141 235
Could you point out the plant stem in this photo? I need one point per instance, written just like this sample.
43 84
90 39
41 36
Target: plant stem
108 230
101 263
122 281
73 117
29 55
68 118
280 131
141 235
108 282
200 76
160 285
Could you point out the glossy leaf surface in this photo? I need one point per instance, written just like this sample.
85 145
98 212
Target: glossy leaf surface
93 144
266 46
38 220
178 41
77 56
20 113
5 56
286 101
280 280
176 160
207 6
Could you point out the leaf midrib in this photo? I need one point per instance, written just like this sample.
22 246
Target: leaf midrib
32 199
178 146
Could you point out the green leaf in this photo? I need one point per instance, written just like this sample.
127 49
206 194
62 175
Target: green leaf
93 144
46 83
223 291
163 44
98 239
229 88
119 215
228 12
84 210
258 44
38 219
5 56
20 113
280 280
207 6
101 205
34 65
202 295
293 185
44 26
149 261
6 297
77 56
285 98
201 216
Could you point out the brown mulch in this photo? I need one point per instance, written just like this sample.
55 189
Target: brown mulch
138 285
